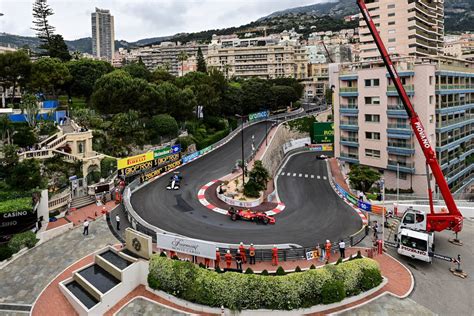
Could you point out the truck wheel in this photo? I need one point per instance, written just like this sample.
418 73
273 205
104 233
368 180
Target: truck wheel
233 217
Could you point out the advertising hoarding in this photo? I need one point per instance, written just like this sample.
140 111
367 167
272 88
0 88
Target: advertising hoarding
259 116
193 247
134 160
155 163
322 133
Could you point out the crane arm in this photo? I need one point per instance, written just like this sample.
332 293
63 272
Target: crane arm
436 222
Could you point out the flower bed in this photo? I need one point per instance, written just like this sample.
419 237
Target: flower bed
249 291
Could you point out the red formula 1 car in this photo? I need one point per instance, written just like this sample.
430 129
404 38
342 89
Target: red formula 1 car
248 215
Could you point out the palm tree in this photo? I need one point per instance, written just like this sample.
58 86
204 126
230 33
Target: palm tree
182 57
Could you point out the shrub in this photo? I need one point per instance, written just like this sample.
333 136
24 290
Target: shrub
332 292
5 252
185 142
249 271
280 271
297 269
26 239
264 272
251 189
16 205
201 265
249 291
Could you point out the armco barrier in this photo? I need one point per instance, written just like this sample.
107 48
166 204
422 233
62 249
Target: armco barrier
262 252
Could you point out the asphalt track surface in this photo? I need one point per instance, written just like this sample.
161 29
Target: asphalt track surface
313 211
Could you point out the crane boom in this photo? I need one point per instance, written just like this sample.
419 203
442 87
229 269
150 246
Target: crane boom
435 221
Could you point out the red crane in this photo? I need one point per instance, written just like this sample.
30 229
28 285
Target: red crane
435 221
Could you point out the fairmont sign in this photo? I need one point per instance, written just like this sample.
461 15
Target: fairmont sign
190 246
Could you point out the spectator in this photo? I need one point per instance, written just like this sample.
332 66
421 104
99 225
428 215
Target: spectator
328 250
86 227
275 255
342 248
207 262
117 220
376 230
242 252
238 260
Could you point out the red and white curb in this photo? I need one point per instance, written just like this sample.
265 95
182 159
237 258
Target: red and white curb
202 199
364 219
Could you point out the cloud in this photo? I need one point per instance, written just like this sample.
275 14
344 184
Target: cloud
139 19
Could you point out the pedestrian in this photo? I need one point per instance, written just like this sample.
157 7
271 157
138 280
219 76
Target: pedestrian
86 227
218 259
342 248
318 251
172 254
228 259
238 260
207 262
376 229
328 250
252 254
274 256
117 220
242 252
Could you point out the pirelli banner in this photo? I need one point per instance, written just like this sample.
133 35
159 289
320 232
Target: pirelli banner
149 164
158 171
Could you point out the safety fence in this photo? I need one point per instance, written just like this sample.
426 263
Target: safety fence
262 253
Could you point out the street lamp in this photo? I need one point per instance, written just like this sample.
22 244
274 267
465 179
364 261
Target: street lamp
382 182
242 137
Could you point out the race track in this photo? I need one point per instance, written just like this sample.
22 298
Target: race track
313 210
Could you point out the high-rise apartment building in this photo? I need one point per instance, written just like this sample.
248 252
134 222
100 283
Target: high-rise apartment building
409 27
372 126
103 34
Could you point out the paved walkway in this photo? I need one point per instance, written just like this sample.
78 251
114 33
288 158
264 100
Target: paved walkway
145 307
23 279
77 217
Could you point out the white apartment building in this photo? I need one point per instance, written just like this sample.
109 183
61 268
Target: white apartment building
372 127
410 27
103 34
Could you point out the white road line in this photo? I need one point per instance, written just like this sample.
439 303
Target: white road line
319 177
300 175
282 174
305 175
294 174
312 176
324 177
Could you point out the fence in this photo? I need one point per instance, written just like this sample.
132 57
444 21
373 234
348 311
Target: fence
291 253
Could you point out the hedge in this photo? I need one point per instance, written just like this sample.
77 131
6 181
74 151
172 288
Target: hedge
16 205
239 291
26 239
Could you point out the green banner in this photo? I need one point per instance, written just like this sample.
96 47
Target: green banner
322 133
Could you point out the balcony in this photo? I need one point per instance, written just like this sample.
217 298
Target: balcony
349 141
402 166
349 109
396 110
392 91
445 88
400 148
397 128
445 126
349 157
348 92
350 125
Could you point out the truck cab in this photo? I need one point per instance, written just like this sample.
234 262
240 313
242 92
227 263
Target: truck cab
415 244
413 219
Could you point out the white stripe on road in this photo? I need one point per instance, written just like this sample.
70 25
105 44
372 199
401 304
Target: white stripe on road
312 176
300 175
294 174
319 177
324 177
282 174
305 175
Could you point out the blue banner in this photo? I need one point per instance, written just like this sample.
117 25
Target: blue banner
364 206
259 116
176 148
190 157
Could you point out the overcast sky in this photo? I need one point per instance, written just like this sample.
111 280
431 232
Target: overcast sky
137 19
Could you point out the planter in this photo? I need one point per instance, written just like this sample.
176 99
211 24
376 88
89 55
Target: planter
239 203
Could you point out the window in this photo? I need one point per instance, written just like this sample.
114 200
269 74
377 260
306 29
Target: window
372 135
414 243
391 49
372 153
431 80
375 118
391 6
391 14
402 176
391 40
391 31
409 219
391 23
372 82
372 100
431 99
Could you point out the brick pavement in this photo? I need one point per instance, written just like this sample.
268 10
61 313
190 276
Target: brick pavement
337 174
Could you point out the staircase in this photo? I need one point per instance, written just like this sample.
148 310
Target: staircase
82 201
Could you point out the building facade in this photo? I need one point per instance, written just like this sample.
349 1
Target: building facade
372 127
103 34
412 27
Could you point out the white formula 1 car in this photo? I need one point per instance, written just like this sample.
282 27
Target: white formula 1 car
175 182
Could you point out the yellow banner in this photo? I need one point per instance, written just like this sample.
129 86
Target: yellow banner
134 160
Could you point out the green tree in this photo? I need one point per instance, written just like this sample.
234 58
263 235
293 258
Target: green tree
231 101
107 166
164 125
259 175
201 62
256 95
24 135
290 82
49 74
15 70
29 107
85 72
362 177
161 75
10 156
178 103
182 57
44 30
6 128
128 129
283 96
57 48
26 175
137 70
